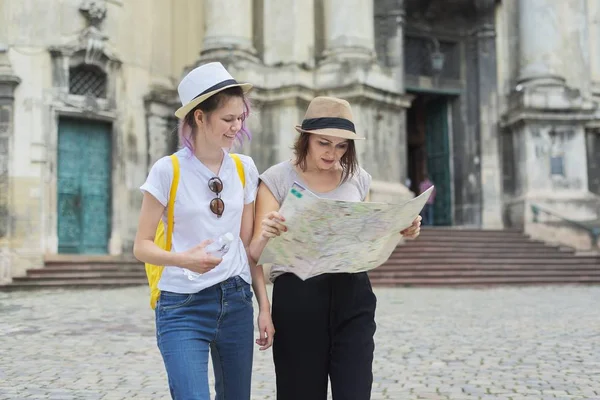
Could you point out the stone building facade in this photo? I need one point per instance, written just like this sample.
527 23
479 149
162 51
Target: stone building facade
466 91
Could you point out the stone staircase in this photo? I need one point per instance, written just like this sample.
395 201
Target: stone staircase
439 257
75 271
454 257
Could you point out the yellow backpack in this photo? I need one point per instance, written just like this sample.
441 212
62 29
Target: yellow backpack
164 241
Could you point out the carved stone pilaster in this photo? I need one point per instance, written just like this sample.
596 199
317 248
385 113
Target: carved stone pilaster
90 47
8 83
8 80
161 123
484 38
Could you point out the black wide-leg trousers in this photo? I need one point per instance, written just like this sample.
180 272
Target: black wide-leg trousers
324 328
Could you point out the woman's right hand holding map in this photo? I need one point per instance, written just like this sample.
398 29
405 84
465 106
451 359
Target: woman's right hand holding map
272 225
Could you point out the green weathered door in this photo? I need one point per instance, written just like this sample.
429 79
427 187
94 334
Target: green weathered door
84 183
438 158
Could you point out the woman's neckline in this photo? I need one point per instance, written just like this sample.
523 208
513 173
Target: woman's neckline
205 167
300 180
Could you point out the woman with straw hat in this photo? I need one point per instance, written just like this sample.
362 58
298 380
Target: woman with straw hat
324 325
205 300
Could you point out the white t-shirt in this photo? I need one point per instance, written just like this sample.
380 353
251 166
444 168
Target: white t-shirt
194 222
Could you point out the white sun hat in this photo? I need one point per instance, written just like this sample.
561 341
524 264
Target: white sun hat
201 83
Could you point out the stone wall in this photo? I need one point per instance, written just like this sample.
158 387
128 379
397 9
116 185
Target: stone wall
44 43
338 60
548 105
547 92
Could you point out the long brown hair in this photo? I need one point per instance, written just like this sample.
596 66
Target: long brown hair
349 161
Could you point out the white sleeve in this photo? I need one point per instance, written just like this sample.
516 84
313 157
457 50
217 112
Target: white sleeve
158 183
251 174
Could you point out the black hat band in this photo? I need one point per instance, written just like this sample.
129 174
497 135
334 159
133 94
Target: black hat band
218 86
327 122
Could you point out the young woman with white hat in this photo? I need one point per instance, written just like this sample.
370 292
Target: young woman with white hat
205 300
324 325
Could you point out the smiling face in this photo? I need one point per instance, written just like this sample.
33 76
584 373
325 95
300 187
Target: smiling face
216 122
222 125
326 152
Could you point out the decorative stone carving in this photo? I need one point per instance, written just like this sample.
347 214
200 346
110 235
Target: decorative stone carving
90 47
8 80
94 11
8 83
91 38
161 123
94 42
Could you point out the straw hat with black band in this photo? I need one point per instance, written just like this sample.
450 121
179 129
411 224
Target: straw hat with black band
201 83
329 116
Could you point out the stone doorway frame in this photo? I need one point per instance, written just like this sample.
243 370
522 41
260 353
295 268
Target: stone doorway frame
61 104
452 101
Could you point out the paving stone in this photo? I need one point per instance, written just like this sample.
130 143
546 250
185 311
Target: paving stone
501 343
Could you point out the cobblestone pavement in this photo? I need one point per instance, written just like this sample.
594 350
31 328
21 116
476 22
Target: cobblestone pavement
508 343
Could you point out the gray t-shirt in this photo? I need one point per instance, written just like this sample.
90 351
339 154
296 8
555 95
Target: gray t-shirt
280 178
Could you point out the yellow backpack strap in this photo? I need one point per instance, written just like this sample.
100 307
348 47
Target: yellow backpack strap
240 167
171 205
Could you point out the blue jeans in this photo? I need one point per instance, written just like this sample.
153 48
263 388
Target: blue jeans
187 325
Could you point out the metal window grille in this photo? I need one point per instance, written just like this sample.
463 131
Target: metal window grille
87 80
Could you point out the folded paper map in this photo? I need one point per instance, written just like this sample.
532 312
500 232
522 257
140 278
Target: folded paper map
329 236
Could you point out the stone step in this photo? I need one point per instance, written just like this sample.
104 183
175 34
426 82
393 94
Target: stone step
88 267
484 281
73 284
469 231
78 274
441 266
477 245
59 259
440 256
445 252
399 260
422 274
471 238
427 233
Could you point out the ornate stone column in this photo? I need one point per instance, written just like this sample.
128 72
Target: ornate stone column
349 30
487 103
228 29
161 134
395 44
349 69
594 35
539 42
288 32
8 83
545 125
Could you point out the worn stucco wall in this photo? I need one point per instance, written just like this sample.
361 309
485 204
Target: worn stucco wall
548 106
149 55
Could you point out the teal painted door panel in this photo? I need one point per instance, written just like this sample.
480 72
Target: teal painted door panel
84 183
438 159
69 189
